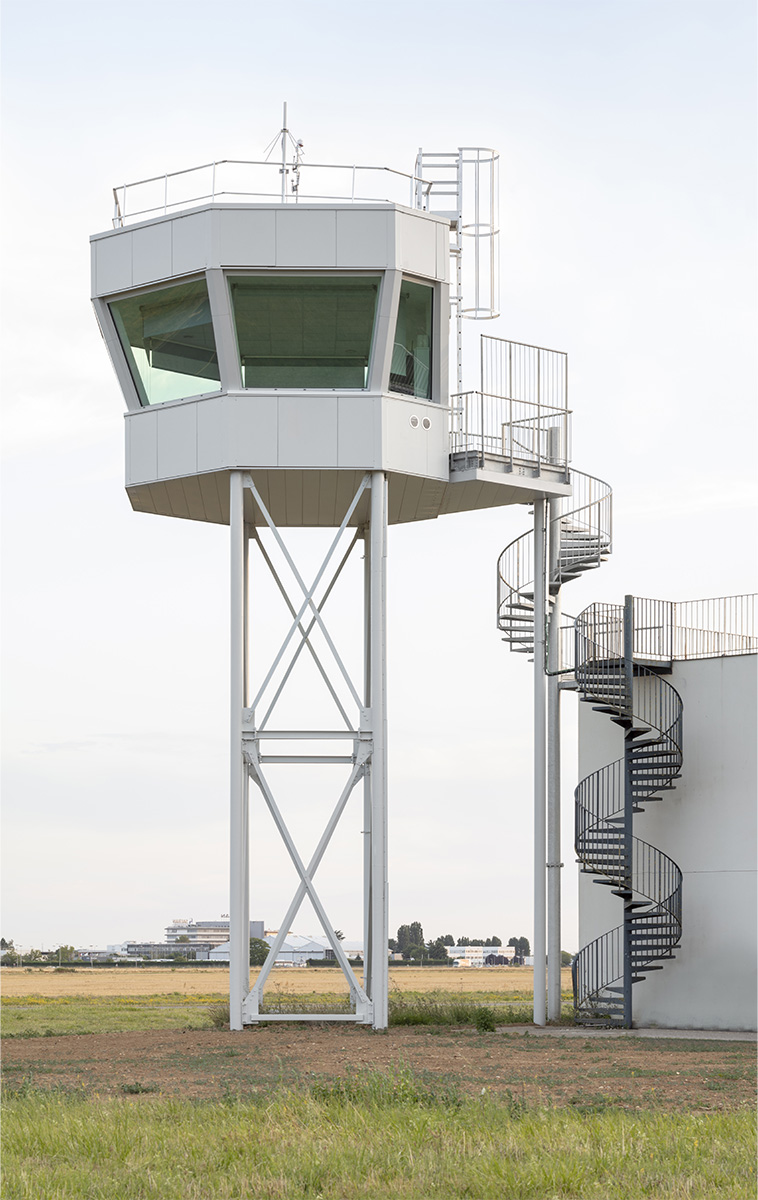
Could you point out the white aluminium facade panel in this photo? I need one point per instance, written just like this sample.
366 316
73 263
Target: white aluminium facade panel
152 256
311 237
332 432
306 237
191 244
245 236
364 239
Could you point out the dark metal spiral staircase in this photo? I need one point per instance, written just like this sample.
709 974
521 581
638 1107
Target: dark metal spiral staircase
596 658
649 710
579 534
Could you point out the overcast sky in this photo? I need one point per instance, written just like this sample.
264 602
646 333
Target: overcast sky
627 135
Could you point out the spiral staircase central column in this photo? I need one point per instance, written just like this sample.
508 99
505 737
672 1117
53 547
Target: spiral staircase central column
628 674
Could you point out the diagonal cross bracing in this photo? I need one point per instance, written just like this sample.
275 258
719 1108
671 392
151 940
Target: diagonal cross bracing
366 732
305 633
307 592
306 885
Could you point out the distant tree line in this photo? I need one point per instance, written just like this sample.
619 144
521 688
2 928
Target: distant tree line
410 942
11 957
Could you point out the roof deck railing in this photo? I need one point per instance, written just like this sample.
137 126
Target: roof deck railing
229 180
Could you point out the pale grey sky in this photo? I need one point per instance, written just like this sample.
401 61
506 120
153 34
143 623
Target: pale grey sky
627 134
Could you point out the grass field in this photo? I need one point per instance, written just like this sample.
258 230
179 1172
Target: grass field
116 1084
383 1137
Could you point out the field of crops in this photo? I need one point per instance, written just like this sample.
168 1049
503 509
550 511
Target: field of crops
510 982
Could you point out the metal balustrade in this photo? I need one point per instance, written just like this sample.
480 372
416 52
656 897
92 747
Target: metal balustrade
519 433
230 180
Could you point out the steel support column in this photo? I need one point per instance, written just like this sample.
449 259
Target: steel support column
554 863
628 806
239 917
377 684
539 948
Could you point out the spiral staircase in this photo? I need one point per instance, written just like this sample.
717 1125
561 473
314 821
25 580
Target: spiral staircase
594 655
649 711
579 540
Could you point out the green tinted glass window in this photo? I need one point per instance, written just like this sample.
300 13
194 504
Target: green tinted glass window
167 336
299 332
411 368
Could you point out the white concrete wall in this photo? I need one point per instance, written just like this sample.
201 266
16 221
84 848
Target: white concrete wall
708 826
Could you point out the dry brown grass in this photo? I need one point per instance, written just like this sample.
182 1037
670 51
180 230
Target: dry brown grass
152 981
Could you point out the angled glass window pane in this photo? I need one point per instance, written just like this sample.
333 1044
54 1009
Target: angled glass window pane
411 367
304 332
167 336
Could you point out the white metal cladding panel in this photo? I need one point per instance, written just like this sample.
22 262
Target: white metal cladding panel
212 433
306 238
363 238
307 431
251 431
443 253
405 445
177 441
191 243
151 252
359 431
141 447
113 263
246 237
438 443
416 244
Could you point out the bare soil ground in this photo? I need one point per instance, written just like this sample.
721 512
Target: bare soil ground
592 1072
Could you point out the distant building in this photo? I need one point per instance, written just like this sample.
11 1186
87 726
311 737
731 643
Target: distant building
212 933
296 950
476 956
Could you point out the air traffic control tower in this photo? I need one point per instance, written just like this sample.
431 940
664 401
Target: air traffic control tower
284 357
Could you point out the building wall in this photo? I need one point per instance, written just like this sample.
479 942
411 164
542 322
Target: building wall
708 826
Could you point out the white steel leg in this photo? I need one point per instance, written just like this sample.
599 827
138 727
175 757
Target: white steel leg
367 776
539 948
379 888
554 863
239 970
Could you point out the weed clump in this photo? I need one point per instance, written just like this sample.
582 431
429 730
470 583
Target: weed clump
433 1008
218 1015
400 1086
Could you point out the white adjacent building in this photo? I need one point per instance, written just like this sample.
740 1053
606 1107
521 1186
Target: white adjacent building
707 826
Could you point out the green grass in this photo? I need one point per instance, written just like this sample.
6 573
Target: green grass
449 1008
370 1135
44 1016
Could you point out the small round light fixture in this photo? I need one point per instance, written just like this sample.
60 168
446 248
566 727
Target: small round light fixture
426 423
414 422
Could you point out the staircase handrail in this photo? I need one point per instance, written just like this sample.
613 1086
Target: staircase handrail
512 579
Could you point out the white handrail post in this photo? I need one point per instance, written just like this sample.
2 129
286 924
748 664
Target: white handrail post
539 762
379 895
239 921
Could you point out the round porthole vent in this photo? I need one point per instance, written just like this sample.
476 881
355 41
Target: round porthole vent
426 423
414 422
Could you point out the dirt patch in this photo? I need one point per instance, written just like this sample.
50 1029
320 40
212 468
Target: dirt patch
635 1073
